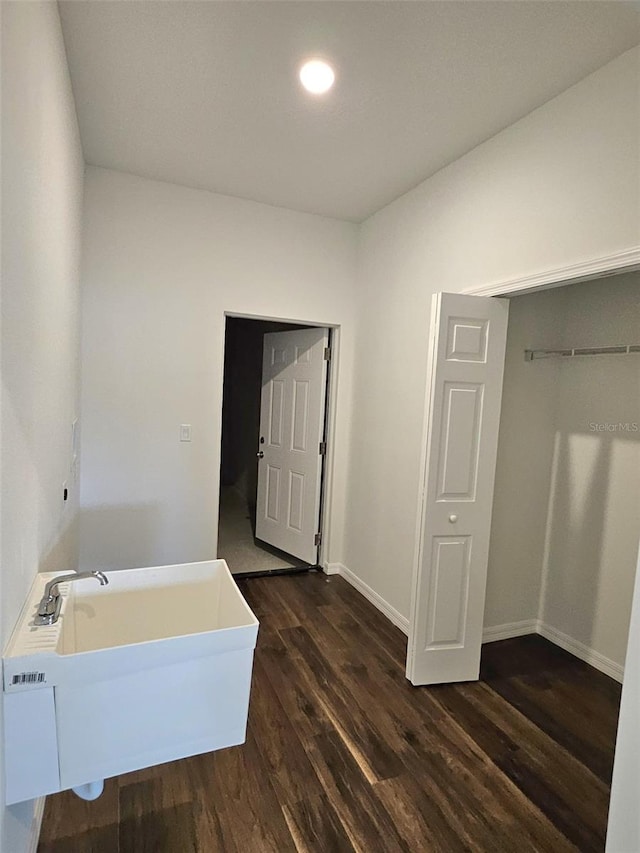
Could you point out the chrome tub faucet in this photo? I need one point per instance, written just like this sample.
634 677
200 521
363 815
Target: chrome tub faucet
49 607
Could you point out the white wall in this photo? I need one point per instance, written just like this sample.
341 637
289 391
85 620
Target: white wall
595 523
557 188
566 515
42 170
162 264
523 469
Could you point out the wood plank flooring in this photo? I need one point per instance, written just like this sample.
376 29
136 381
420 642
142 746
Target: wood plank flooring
342 754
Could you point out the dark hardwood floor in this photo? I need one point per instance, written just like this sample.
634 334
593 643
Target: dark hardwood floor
343 754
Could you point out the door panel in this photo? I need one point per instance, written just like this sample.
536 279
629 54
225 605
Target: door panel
468 338
299 432
294 373
276 411
448 591
273 492
458 452
296 500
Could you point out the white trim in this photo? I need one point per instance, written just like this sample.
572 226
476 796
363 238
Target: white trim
579 650
383 606
494 632
327 495
626 261
509 630
36 824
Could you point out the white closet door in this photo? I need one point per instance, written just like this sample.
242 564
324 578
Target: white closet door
465 376
294 375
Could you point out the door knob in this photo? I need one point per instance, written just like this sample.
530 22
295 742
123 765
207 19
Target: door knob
260 454
453 519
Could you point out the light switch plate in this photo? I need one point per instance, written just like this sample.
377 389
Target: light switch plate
185 432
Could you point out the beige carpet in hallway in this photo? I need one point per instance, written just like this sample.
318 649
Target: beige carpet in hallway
236 543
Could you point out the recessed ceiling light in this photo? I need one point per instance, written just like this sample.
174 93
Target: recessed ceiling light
317 76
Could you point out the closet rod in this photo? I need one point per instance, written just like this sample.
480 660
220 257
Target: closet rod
530 354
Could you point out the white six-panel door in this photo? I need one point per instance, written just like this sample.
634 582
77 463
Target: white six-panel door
294 372
468 338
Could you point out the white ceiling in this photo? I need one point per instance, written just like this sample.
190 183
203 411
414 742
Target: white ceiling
205 94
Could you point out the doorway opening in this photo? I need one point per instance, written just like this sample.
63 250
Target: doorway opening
274 443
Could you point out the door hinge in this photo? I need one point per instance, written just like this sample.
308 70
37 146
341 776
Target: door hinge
322 450
317 539
327 353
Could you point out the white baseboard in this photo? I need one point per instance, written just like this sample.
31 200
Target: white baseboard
383 606
509 630
580 650
493 632
36 824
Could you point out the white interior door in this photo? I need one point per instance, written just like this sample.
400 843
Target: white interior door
468 338
294 373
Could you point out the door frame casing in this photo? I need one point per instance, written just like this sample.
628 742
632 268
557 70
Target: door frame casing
328 478
615 264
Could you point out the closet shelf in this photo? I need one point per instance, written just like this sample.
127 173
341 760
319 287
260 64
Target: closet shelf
531 354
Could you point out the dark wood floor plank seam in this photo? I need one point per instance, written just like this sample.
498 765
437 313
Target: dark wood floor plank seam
595 758
425 693
516 765
522 722
315 826
282 750
320 677
353 680
354 799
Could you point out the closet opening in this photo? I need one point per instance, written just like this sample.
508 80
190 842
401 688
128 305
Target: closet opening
564 530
